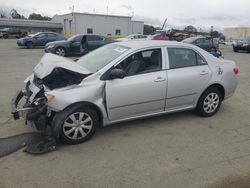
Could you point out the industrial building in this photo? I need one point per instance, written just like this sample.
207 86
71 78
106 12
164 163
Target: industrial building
76 23
31 26
241 33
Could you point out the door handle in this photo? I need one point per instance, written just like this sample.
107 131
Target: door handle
159 79
204 72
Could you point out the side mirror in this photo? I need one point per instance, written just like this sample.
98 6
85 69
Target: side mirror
117 73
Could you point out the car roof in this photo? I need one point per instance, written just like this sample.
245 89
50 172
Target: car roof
152 43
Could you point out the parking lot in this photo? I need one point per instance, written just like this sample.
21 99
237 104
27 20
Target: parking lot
176 150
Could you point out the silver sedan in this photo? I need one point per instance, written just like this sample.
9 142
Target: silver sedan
123 81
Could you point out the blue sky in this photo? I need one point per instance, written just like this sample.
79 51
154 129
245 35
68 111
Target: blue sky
200 13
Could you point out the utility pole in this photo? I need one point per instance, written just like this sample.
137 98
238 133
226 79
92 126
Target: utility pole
164 24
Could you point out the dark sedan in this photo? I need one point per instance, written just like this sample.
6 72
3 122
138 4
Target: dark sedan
39 39
242 46
206 43
77 44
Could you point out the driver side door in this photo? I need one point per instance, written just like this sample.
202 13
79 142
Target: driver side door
75 45
142 91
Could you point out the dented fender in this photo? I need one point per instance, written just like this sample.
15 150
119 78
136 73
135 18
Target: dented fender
91 92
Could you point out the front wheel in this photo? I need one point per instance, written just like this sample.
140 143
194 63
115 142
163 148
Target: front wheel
30 45
60 51
5 36
209 102
77 124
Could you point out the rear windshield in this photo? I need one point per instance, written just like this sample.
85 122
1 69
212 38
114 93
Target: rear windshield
189 40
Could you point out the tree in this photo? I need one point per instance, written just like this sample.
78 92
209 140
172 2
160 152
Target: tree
14 14
190 28
3 13
148 29
215 34
35 16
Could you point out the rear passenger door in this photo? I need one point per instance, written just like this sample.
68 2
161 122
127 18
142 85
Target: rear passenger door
188 74
95 41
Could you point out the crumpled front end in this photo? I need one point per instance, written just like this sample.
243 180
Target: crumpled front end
52 72
34 110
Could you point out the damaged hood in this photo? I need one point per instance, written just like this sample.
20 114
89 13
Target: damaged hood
49 62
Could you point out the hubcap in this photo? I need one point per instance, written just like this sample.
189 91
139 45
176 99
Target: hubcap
211 102
60 52
77 126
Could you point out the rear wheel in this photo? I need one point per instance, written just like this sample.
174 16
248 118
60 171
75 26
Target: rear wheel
78 124
5 36
60 51
209 102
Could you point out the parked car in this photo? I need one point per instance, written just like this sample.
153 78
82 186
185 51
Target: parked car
39 39
134 37
72 46
123 81
160 35
12 32
242 46
206 43
230 42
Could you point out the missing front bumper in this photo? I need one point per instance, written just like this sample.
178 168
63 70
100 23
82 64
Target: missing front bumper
36 116
17 113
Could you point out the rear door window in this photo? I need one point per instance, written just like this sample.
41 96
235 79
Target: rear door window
183 57
94 38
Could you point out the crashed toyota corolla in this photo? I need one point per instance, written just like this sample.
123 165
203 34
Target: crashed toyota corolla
122 81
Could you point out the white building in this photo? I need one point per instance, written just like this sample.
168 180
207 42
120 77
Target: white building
237 33
77 23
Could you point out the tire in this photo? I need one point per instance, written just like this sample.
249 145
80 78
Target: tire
60 51
209 102
5 36
70 130
29 45
236 50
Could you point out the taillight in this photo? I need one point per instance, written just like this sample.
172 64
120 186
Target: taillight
236 70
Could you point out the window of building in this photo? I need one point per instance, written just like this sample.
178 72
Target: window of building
182 57
117 32
90 31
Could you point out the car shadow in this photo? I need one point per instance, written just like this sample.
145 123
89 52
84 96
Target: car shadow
149 122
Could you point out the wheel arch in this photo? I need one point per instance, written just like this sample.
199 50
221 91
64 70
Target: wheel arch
29 41
56 127
219 87
88 104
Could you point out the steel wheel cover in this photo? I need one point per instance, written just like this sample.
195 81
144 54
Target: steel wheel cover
211 102
60 52
77 126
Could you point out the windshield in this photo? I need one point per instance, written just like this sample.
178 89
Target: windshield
97 59
34 35
77 38
189 40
